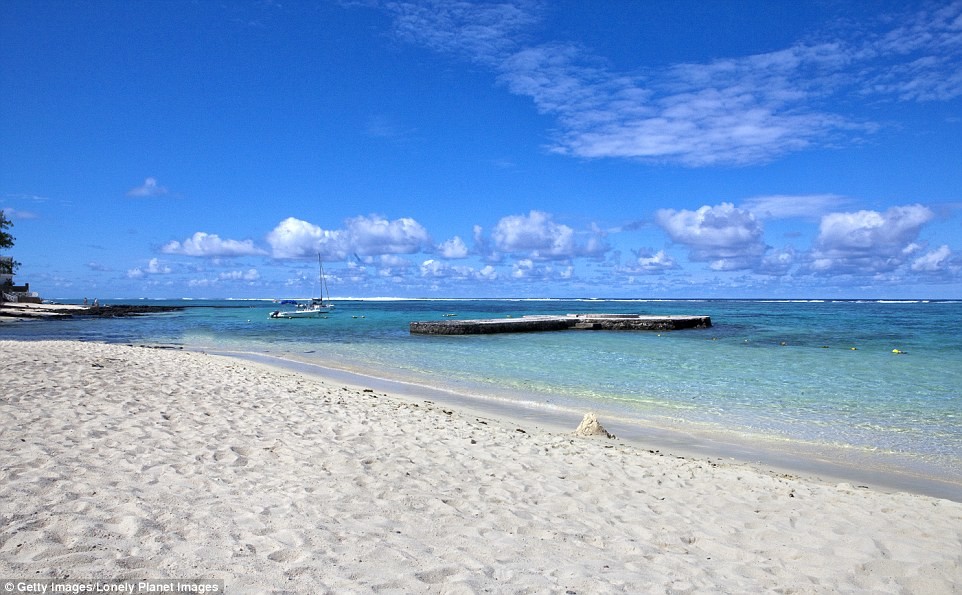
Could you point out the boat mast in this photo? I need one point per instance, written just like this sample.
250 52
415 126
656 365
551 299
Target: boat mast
320 272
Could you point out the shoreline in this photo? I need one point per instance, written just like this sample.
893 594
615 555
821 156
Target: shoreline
123 462
815 462
20 312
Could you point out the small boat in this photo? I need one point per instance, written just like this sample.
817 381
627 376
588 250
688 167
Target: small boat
316 308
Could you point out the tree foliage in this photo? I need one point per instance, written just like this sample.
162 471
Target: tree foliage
6 240
7 265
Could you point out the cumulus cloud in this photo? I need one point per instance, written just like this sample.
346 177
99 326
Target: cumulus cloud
529 269
727 238
364 236
937 260
778 262
295 238
537 236
438 269
149 188
453 248
211 245
650 263
377 235
488 273
868 242
154 267
483 247
441 270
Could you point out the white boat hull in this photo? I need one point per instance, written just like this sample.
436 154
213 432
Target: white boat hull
305 313
316 308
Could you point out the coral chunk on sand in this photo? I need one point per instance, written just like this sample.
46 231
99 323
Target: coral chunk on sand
590 426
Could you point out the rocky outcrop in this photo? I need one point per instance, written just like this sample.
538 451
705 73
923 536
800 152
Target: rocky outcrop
122 310
19 311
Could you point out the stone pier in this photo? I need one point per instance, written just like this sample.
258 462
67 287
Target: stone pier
541 323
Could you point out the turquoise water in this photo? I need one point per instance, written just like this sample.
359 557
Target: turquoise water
778 371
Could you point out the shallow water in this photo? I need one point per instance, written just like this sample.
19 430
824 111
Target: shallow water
814 373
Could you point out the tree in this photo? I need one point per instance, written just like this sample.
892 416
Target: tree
7 265
6 240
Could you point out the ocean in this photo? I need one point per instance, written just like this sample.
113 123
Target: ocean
870 386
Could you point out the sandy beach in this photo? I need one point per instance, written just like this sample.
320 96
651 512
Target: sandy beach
135 462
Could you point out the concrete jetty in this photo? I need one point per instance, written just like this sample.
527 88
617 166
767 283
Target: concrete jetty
541 323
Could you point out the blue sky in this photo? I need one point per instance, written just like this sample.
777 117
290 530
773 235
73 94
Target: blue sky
649 149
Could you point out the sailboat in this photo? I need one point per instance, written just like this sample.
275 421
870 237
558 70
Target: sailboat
317 307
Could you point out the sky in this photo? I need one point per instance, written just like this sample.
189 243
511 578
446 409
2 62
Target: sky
623 149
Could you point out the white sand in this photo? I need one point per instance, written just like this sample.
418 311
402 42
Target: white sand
129 462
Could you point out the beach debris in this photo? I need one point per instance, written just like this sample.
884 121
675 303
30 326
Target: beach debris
590 426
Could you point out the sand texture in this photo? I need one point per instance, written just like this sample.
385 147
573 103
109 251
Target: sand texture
133 462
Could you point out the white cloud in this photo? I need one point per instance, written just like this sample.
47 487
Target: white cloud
526 269
294 238
537 236
372 236
392 261
479 32
483 247
488 273
777 262
149 188
523 268
727 238
535 233
926 49
867 242
442 270
453 248
211 245
154 267
248 275
937 260
782 206
15 214
653 263
729 111
377 235
733 111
